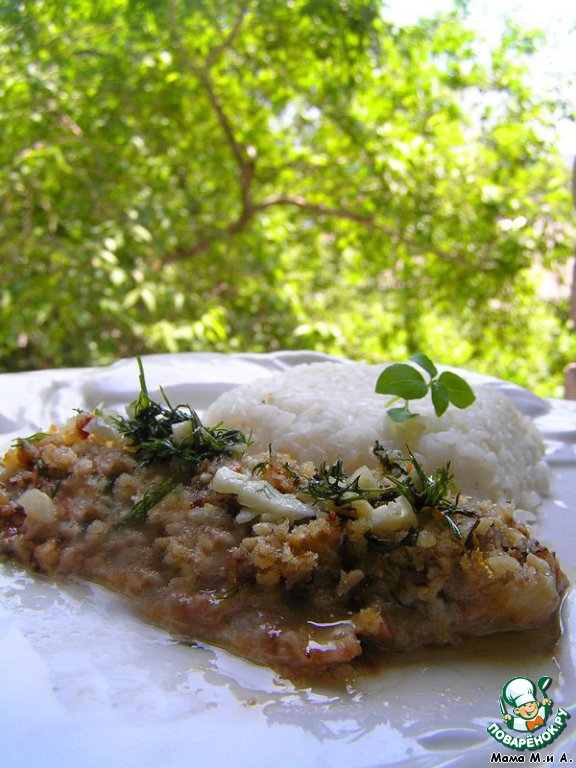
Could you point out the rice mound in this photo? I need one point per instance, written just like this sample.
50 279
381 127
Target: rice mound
322 411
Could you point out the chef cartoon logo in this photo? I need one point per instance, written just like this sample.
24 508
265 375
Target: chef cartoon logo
528 713
526 710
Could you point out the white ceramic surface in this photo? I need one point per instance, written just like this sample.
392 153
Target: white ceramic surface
85 684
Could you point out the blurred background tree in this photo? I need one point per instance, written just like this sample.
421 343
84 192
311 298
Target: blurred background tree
251 175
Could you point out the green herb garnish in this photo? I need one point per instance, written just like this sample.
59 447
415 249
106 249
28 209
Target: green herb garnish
139 511
331 484
407 383
436 492
161 433
263 465
391 462
19 441
424 490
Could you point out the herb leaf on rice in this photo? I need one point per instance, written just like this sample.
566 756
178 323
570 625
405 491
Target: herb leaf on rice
404 381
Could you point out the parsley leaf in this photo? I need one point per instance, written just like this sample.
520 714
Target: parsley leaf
404 381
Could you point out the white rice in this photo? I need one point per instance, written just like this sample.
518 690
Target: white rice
323 411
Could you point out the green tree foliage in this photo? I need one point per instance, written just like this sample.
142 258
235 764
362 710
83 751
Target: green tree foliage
259 174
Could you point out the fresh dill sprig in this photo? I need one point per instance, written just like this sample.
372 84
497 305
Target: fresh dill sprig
391 461
139 511
161 433
259 468
331 484
19 441
435 493
426 490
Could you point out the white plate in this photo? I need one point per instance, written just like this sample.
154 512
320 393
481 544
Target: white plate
84 683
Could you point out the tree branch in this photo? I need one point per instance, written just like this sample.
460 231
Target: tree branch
236 146
244 159
317 209
228 41
313 209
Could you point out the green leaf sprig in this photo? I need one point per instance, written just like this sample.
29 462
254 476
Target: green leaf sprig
20 441
149 500
330 484
405 382
149 428
435 490
436 494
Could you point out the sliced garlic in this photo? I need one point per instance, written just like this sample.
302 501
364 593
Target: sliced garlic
396 515
103 431
246 516
182 430
39 507
366 479
260 497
